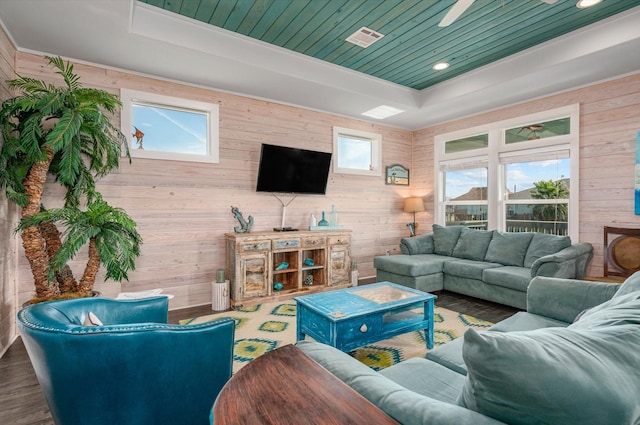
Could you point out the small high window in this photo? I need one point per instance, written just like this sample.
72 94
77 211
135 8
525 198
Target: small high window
357 152
170 128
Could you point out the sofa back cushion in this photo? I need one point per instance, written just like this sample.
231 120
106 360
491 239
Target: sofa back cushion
472 244
445 238
508 248
585 373
543 244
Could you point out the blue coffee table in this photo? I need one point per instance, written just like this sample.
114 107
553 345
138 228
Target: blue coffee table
352 317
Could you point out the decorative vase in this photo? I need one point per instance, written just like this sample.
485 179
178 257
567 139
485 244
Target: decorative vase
333 216
323 222
312 221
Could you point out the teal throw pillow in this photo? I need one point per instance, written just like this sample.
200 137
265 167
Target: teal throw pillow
472 244
543 244
619 310
445 239
508 248
554 375
631 284
421 244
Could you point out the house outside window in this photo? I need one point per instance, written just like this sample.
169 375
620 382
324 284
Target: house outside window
517 175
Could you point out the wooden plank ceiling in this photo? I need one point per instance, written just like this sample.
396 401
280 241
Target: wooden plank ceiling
486 32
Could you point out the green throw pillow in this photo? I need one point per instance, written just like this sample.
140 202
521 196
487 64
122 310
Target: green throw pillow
631 284
445 239
508 248
472 244
543 244
554 375
619 310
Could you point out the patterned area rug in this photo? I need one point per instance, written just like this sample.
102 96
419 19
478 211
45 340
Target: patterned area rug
262 328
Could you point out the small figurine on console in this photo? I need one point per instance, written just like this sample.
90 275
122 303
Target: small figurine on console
245 226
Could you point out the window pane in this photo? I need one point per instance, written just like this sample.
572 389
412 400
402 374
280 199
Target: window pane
538 179
466 185
541 218
536 131
354 153
473 216
467 143
169 130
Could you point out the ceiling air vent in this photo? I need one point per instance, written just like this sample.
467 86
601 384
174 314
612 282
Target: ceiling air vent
364 37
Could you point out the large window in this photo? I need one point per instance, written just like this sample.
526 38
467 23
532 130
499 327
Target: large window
516 175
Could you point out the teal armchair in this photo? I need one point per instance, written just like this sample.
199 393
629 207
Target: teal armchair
134 369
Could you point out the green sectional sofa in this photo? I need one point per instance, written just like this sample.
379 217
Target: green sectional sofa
571 358
487 264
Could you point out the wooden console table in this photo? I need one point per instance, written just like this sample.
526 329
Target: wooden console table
287 387
274 266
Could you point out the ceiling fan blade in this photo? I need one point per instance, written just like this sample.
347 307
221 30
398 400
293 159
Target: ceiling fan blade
455 12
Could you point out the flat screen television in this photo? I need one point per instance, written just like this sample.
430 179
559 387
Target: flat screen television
292 170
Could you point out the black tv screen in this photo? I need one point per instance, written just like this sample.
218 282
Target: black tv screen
292 170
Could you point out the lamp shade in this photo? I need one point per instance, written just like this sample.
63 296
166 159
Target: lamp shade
413 205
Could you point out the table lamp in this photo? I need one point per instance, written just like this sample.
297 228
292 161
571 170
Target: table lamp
413 205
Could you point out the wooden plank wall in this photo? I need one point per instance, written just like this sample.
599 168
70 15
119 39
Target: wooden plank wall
609 122
183 209
8 220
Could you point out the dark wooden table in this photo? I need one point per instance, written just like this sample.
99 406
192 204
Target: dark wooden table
287 387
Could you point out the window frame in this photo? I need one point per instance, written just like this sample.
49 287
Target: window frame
130 97
499 149
374 139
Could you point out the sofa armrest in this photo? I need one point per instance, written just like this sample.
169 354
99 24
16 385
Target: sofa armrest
403 405
422 244
564 299
569 263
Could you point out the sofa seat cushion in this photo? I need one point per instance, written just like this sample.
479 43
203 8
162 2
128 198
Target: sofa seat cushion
472 244
426 378
508 248
543 244
523 321
467 268
449 355
511 277
586 373
411 265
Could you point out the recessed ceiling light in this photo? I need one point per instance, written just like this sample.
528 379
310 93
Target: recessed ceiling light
440 66
583 4
382 112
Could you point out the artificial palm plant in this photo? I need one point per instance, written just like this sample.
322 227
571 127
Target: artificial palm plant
65 132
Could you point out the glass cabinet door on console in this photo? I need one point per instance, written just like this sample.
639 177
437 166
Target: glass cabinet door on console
255 274
339 260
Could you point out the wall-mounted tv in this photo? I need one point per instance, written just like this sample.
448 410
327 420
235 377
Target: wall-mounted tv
292 170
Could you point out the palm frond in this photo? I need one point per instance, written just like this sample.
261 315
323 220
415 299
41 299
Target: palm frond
66 71
30 85
106 101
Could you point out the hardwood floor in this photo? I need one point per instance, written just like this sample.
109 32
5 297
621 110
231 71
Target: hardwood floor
22 401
